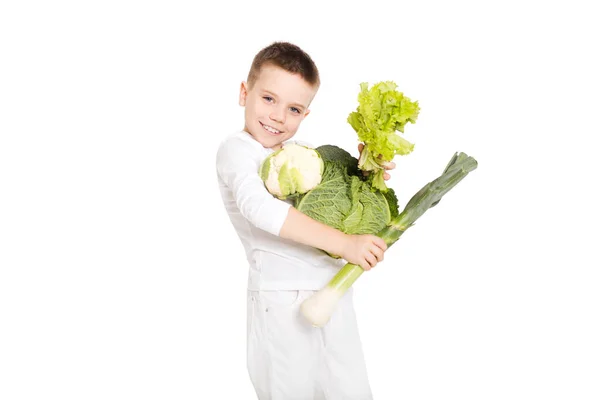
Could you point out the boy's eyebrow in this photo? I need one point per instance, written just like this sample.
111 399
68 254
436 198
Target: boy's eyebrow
293 104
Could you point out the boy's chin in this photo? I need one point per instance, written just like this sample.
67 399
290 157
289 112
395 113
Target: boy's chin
272 144
269 142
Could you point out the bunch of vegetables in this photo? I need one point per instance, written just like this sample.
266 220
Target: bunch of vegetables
331 186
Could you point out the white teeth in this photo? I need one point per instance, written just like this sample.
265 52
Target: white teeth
273 130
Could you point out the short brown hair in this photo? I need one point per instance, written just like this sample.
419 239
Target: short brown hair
287 56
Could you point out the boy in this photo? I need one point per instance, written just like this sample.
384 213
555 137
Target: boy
287 358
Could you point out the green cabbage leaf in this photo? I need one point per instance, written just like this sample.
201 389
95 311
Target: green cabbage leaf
345 199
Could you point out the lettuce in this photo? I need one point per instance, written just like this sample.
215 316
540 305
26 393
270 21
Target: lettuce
381 112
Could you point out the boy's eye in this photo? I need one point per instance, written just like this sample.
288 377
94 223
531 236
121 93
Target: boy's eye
295 110
268 98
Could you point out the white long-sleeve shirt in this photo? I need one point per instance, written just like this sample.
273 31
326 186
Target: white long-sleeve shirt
275 263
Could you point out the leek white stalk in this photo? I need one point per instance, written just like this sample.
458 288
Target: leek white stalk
320 306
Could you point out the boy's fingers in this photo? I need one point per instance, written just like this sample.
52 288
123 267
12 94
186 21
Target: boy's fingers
389 165
379 254
386 176
371 259
365 265
379 242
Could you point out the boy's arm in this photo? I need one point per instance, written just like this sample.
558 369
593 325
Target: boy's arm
238 168
363 250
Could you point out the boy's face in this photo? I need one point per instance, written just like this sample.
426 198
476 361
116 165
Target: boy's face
275 105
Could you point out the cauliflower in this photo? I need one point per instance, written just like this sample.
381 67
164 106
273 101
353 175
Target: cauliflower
292 170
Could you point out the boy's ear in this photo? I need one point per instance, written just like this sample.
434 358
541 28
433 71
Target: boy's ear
306 113
243 93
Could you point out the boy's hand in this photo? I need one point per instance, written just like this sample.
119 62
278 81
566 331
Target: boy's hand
364 250
387 166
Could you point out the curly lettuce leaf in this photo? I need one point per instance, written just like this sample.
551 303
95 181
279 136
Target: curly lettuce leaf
382 111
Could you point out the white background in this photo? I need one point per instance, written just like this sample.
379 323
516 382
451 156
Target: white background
122 278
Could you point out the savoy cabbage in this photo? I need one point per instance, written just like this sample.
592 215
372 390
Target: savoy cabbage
346 200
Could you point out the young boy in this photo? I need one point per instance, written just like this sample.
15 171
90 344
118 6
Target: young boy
288 359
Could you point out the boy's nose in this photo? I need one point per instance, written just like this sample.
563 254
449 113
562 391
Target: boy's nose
277 115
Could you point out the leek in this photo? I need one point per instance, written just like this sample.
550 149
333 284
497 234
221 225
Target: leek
319 307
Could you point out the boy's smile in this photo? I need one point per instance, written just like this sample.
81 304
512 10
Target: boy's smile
271 130
275 105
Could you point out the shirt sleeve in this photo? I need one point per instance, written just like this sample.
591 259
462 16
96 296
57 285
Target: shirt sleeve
237 165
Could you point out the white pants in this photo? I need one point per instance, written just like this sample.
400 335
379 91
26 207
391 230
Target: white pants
288 359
